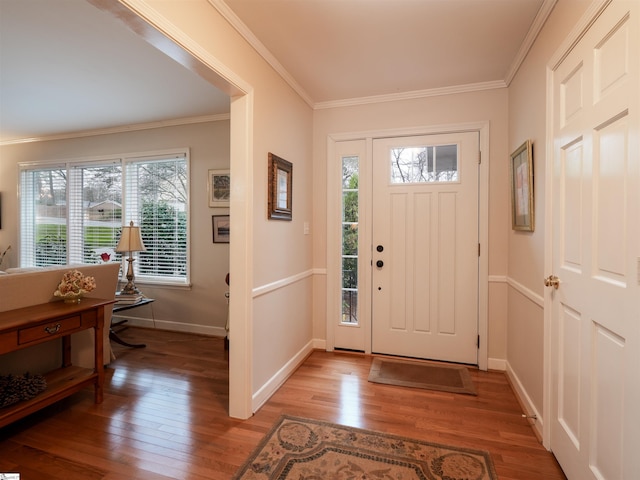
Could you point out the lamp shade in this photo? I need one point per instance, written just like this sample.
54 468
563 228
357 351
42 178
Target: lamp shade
130 240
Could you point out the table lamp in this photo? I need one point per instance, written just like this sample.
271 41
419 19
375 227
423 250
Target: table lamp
130 241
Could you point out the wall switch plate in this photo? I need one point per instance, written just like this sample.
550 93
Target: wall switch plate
306 228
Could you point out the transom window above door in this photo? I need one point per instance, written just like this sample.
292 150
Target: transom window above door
424 164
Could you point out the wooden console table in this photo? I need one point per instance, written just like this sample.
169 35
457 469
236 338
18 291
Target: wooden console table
25 327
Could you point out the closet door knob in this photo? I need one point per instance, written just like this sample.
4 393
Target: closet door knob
552 281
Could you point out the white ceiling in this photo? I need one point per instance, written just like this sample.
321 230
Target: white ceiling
348 49
68 67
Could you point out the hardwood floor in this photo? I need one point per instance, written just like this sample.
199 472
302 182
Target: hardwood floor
164 416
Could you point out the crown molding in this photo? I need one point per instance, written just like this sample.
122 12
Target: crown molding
121 129
541 18
230 16
432 92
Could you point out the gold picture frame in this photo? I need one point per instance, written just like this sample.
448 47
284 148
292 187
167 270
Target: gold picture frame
280 188
522 201
219 188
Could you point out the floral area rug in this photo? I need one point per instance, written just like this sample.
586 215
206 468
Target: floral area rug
299 448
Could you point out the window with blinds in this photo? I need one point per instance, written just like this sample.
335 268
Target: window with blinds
43 216
156 196
74 212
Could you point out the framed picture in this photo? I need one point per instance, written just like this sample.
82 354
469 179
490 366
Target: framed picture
221 225
280 188
522 188
219 188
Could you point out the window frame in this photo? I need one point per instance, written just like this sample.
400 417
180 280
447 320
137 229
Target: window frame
396 174
352 319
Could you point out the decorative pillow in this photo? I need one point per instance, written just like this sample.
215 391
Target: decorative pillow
14 389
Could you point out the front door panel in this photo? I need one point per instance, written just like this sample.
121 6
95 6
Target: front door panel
425 247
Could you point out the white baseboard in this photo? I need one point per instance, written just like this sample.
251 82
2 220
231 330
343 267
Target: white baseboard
272 385
525 401
497 364
173 326
319 344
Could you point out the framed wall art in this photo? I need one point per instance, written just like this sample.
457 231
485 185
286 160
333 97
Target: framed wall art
522 188
221 228
219 188
280 188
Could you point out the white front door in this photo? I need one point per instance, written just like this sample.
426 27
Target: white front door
425 247
595 326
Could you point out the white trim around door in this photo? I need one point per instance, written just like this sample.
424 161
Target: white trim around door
363 142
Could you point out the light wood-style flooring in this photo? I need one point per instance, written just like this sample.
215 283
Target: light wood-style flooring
164 416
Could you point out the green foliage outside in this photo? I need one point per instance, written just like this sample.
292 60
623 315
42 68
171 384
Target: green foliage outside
51 243
164 232
350 242
51 250
101 236
350 233
94 235
166 229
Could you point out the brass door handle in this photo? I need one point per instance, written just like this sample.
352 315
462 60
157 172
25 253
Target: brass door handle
552 281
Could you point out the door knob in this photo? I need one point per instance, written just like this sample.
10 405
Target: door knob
552 281
379 263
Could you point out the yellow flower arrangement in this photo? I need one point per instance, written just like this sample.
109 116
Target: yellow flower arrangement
74 283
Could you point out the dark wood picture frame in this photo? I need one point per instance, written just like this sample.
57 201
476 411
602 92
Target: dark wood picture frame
221 228
280 188
521 167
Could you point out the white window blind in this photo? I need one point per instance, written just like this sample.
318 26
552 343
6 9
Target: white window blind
43 216
74 212
156 199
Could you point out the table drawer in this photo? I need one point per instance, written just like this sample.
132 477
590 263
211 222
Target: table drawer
49 330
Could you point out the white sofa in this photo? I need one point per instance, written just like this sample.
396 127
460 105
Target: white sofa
25 287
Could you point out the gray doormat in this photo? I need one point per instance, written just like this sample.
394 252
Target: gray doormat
428 375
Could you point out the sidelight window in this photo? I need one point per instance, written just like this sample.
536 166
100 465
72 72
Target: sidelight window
350 237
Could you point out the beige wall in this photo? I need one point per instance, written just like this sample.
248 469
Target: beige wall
483 106
527 120
274 290
201 308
